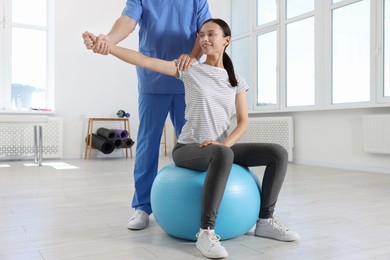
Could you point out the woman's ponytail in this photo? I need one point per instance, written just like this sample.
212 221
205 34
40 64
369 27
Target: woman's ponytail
228 64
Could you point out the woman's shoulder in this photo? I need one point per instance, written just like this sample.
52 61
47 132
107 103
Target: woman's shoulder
191 69
242 84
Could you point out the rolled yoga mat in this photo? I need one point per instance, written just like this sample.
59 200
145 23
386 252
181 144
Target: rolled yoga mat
102 144
127 143
121 133
118 142
106 133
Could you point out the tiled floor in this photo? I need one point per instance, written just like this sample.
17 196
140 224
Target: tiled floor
57 212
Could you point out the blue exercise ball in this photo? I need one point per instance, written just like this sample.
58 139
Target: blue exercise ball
176 199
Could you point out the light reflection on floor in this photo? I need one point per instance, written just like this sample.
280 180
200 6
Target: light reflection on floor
55 165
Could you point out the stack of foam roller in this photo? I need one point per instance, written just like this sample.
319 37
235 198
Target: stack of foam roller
107 140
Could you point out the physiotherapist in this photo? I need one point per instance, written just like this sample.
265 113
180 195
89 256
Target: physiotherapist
167 30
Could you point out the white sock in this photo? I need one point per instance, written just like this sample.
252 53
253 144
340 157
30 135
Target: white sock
264 220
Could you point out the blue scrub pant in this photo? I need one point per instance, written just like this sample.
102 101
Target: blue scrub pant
153 110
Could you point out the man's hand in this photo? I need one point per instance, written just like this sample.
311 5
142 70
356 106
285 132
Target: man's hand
99 44
102 45
184 62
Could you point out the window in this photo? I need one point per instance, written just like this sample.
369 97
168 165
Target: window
242 24
298 7
243 27
351 53
26 66
266 12
300 67
267 69
241 61
314 54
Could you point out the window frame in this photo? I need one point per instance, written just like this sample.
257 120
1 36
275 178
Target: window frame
378 50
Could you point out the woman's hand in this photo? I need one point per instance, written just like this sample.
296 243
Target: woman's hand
99 44
209 142
184 62
89 40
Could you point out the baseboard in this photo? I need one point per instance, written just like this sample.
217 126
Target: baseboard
354 167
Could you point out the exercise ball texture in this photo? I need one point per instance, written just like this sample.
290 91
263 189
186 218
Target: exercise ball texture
176 199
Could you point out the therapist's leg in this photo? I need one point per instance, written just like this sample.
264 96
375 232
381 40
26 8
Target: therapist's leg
153 110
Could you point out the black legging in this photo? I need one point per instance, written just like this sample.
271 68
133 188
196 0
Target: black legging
218 160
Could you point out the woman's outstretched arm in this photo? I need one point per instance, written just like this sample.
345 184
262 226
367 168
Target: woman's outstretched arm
140 60
134 57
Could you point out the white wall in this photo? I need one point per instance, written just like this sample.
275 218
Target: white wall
88 84
334 138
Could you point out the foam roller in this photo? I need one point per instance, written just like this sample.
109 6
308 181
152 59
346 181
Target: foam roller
106 133
118 143
127 143
102 144
120 133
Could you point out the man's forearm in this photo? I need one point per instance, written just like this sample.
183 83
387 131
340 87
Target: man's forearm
196 51
122 27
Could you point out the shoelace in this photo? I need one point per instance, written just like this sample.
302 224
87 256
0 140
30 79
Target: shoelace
138 214
214 238
278 225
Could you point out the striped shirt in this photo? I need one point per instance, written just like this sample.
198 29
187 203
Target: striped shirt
210 103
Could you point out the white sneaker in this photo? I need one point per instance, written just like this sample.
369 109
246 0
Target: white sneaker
273 228
139 220
208 243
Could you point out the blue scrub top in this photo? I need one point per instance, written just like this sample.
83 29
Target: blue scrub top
168 28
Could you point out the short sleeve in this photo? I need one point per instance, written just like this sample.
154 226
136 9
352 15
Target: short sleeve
133 9
242 85
203 13
182 73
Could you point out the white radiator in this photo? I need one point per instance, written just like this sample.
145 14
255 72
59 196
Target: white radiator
279 130
17 140
376 134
